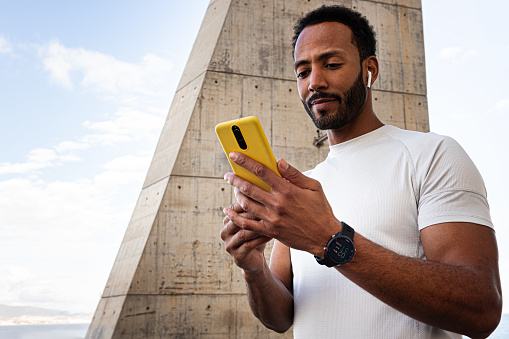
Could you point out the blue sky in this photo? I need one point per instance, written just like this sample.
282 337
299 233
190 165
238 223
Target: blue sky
85 88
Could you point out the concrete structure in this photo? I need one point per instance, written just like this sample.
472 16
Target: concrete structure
172 277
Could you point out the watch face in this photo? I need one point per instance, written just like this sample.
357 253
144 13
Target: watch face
340 250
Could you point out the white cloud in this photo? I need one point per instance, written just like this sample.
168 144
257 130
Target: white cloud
502 105
26 284
134 85
8 168
42 155
70 158
52 230
450 52
12 276
469 53
60 209
120 172
103 73
128 163
127 125
47 223
456 52
56 62
37 159
5 46
71 146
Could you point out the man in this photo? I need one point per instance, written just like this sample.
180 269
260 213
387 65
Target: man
415 255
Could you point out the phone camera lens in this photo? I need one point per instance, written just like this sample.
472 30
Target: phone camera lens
239 137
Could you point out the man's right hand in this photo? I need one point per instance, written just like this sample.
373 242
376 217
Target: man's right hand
246 247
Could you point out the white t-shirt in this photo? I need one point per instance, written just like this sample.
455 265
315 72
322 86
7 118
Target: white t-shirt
388 185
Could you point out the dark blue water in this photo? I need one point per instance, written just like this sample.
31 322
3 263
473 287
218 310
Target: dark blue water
78 331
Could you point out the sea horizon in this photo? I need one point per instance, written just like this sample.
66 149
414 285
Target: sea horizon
79 330
44 331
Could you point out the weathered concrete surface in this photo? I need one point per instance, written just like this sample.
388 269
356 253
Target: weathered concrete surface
172 277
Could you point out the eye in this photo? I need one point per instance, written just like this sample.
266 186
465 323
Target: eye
333 66
303 74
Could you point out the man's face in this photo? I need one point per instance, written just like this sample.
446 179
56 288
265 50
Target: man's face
329 75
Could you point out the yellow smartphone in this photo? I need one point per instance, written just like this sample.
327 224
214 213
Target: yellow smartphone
245 135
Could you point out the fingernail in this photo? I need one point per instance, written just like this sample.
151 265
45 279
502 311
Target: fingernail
233 156
227 178
284 164
227 212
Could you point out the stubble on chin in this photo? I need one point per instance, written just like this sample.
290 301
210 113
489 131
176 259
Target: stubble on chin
323 121
348 109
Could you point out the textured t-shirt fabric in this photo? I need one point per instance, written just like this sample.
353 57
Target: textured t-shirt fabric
388 185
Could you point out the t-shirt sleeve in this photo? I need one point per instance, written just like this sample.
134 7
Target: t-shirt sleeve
452 189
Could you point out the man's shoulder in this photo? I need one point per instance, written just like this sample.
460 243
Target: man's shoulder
410 136
428 151
420 142
391 141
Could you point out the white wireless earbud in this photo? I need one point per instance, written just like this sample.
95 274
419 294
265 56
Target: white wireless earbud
369 79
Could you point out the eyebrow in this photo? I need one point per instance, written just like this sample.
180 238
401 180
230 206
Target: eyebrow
322 56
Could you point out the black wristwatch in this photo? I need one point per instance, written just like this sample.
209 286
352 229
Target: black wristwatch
340 248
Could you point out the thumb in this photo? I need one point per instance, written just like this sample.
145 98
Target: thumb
293 175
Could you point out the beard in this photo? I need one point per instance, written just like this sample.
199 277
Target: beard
348 109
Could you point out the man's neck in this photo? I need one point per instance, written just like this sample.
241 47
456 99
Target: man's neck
365 123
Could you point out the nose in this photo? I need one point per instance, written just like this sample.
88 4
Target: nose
317 81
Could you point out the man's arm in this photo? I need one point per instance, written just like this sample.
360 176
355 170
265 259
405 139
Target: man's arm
269 294
456 289
268 288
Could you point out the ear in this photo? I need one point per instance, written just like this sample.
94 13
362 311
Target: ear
370 64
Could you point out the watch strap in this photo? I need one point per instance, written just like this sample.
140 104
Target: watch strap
347 231
325 261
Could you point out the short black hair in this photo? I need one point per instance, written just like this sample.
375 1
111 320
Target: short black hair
364 36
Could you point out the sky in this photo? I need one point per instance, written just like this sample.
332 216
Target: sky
85 87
